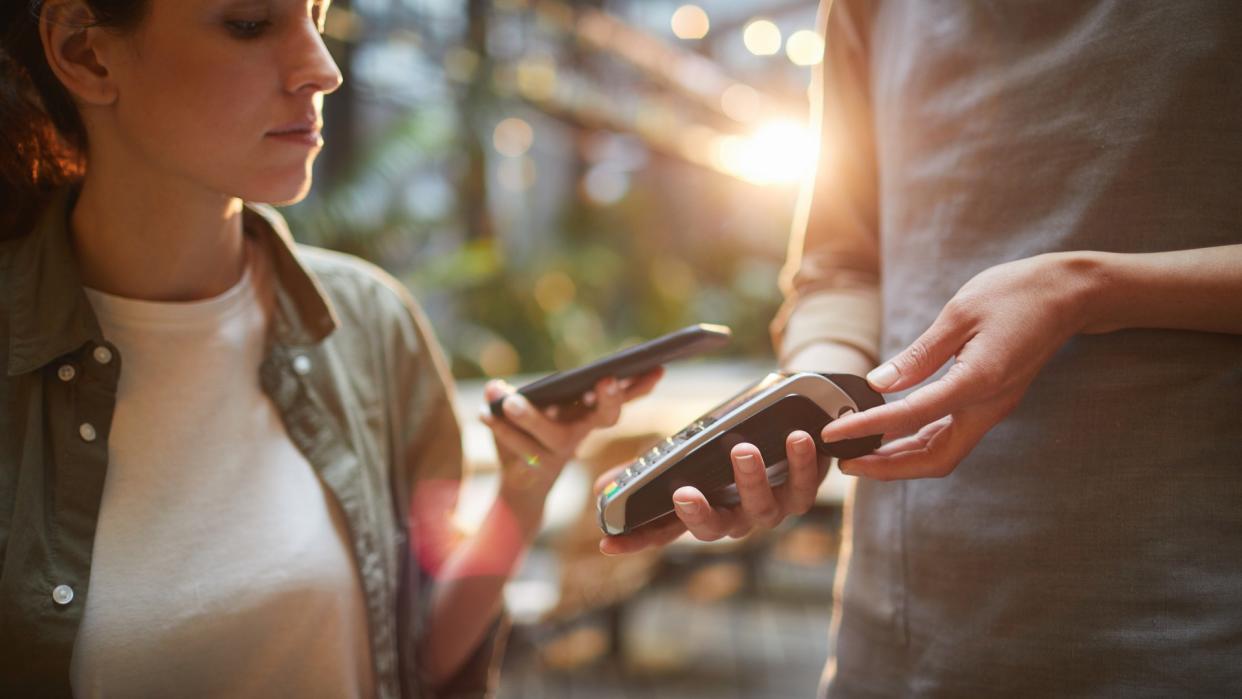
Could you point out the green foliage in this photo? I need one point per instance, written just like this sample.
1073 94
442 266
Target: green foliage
602 278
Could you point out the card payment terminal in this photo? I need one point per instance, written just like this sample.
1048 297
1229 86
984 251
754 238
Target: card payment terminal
762 414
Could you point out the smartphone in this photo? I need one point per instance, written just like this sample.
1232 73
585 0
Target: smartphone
566 388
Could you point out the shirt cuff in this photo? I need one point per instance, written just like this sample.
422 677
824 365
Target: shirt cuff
845 316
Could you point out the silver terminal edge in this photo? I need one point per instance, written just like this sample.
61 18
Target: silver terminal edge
819 388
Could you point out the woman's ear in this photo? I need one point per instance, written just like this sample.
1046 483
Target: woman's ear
74 48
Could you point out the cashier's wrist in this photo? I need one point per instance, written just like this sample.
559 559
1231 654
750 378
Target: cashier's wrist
829 357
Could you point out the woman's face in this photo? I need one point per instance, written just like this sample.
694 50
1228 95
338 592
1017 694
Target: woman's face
227 94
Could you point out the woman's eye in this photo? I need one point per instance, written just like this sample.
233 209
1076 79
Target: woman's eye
247 29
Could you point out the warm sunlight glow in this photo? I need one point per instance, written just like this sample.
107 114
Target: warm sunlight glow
762 37
690 22
778 152
740 102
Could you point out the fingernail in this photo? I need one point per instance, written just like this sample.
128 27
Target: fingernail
883 376
746 463
611 387
688 507
516 405
802 446
485 413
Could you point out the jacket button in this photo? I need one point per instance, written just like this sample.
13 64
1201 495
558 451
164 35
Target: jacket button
87 431
103 355
66 372
62 594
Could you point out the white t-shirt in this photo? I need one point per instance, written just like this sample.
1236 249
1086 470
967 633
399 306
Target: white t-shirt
221 564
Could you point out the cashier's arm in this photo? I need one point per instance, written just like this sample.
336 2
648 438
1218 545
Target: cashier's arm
1003 326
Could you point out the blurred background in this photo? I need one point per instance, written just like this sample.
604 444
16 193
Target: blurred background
555 180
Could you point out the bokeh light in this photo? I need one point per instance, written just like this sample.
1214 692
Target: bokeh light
513 137
762 37
605 185
805 48
536 78
690 22
554 291
498 358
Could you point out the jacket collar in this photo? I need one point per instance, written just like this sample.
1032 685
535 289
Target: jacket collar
304 313
50 315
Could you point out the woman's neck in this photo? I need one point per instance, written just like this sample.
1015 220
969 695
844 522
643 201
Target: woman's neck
156 241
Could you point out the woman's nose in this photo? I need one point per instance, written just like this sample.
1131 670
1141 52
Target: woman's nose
314 69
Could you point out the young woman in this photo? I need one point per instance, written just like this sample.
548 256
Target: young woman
227 462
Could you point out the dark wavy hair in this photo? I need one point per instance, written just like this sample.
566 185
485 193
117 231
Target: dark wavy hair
42 138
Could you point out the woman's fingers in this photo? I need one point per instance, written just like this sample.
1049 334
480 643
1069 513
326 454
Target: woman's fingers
608 401
557 437
611 394
798 495
704 522
758 501
495 389
605 401
516 441
641 385
760 505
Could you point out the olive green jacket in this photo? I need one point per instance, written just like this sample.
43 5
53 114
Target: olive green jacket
359 382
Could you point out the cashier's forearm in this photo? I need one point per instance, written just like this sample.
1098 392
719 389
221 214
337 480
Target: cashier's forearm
1199 289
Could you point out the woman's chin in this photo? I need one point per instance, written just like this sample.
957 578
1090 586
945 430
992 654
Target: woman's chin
279 192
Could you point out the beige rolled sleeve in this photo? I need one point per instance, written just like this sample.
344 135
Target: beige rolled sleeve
831 279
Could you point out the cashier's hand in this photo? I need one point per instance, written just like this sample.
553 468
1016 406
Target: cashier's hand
1002 327
761 505
534 445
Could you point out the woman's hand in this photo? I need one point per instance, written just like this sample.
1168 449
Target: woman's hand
534 445
1002 327
761 505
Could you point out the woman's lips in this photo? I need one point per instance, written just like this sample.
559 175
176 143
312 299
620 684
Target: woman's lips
302 135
